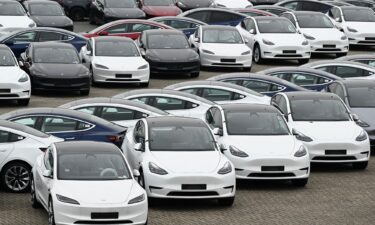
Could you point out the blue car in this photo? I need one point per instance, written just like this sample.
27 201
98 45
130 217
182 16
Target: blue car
68 124
215 16
184 24
18 39
308 78
263 84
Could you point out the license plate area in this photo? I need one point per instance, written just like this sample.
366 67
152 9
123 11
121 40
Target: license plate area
123 76
108 215
335 152
289 51
228 60
4 90
272 168
194 187
329 46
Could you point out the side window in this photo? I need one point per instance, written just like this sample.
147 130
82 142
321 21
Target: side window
28 121
213 94
117 114
304 79
258 86
291 5
89 45
335 13
59 124
178 24
289 17
329 69
6 137
332 87
117 29
48 159
275 87
219 17
140 99
340 92
49 36
201 16
139 132
193 91
139 27
213 118
346 71
275 100
24 37
90 110
166 103
250 24
283 76
238 82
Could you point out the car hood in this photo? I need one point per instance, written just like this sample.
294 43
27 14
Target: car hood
174 55
366 115
15 21
362 27
95 192
58 70
52 21
161 10
187 162
323 33
329 131
284 39
13 73
124 12
263 145
225 49
120 63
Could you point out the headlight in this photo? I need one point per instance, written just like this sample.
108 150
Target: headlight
362 123
101 66
352 30
38 73
267 42
227 168
67 200
152 58
156 169
23 78
246 53
305 42
303 137
137 199
344 37
143 67
32 25
236 152
301 152
196 57
362 136
308 37
208 52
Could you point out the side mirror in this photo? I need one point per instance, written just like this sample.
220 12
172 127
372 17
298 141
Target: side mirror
218 131
9 42
222 148
295 132
136 173
89 53
20 63
103 33
355 117
252 31
196 39
23 56
338 19
143 52
47 173
139 147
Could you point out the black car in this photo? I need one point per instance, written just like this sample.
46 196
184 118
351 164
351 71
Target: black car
193 4
77 10
55 66
169 51
104 11
48 14
305 5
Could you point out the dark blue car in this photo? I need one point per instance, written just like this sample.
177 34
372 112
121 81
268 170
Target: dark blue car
263 84
215 16
68 124
184 24
18 39
308 78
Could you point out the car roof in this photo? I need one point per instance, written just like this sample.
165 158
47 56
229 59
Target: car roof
271 7
177 18
173 121
163 91
307 95
23 128
248 107
85 146
13 31
335 62
270 18
162 31
358 82
300 69
119 101
111 38
209 9
356 56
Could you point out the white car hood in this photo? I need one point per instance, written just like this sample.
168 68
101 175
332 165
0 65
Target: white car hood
96 192
188 162
323 33
233 3
120 63
362 27
284 39
225 49
15 21
13 74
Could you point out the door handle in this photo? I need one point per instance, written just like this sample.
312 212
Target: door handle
70 138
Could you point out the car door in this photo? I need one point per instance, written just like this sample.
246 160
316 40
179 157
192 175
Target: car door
292 5
67 128
46 181
138 136
20 42
6 145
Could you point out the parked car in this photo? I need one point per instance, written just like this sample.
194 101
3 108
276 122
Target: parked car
258 141
77 10
48 14
215 16
362 3
21 145
367 59
68 124
305 5
14 83
184 24
233 3
338 3
267 85
120 111
253 12
193 4
174 102
72 182
277 10
178 158
168 51
115 60
221 46
12 14
104 11
322 122
19 39
55 66
154 8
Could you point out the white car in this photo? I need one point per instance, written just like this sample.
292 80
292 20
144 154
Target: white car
233 3
220 92
12 14
115 60
86 182
178 157
221 46
120 111
358 23
323 122
257 140
20 145
15 83
174 102
321 33
274 38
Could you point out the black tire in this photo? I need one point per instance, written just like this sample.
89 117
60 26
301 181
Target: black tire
85 92
51 213
303 61
338 55
23 102
194 74
144 84
34 201
20 183
77 14
300 182
246 69
360 165
257 55
226 201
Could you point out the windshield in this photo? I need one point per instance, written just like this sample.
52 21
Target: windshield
181 138
158 2
45 10
116 49
359 15
56 55
11 9
120 4
92 166
6 58
165 41
275 26
361 97
319 110
222 36
314 21
255 123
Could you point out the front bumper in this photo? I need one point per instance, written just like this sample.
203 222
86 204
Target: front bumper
329 46
174 67
361 39
225 61
73 84
15 90
285 52
136 76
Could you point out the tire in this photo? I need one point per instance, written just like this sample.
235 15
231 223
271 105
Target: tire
194 74
23 102
300 182
77 14
34 200
360 165
257 56
303 61
226 201
246 69
144 84
51 213
85 92
19 184
338 55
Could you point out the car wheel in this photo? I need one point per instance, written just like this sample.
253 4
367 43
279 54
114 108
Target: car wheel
23 102
300 182
144 84
34 200
226 201
51 214
85 92
16 177
194 74
303 61
338 55
360 165
257 56
77 14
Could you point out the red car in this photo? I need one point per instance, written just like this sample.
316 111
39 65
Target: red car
253 12
154 8
125 28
